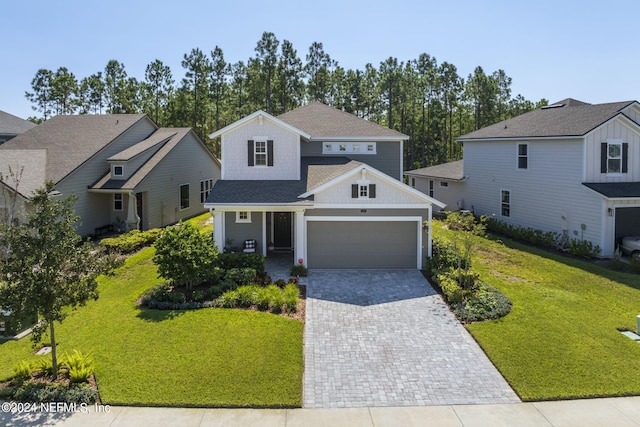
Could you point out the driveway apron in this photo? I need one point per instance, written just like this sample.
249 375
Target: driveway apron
386 338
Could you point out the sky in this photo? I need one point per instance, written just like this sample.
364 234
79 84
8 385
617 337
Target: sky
583 49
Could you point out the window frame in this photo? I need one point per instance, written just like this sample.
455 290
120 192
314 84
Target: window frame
205 188
618 158
522 157
116 202
240 219
362 148
444 184
262 154
505 205
113 171
430 188
181 199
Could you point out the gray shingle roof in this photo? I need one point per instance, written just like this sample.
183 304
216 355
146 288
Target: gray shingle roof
70 140
313 169
27 166
616 190
159 136
320 120
175 136
453 171
564 118
13 125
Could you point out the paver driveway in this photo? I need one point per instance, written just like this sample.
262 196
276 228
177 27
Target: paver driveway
386 338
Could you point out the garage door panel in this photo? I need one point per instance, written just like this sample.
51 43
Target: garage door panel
354 244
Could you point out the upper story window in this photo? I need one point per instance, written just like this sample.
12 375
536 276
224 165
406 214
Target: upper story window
431 188
523 156
260 151
413 182
614 156
444 184
347 147
117 170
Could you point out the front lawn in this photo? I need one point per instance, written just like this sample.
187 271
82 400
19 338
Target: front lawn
207 357
561 339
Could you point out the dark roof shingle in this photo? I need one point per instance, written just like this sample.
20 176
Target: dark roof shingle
453 171
562 119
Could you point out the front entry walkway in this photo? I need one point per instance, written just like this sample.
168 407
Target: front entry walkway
386 338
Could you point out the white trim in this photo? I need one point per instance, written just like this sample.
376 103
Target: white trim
372 205
113 171
382 176
527 156
333 138
246 220
260 115
264 233
510 203
417 219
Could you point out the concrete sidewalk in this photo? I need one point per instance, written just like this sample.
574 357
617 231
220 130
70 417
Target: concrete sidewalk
610 412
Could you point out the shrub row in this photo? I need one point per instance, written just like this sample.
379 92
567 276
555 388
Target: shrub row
130 241
39 392
266 298
242 260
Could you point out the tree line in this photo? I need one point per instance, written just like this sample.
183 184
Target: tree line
427 100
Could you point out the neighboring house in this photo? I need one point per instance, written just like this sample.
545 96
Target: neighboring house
126 172
11 126
442 182
570 167
324 184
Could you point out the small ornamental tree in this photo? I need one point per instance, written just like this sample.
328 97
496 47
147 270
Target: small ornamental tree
49 269
185 256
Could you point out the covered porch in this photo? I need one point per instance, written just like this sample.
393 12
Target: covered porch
276 230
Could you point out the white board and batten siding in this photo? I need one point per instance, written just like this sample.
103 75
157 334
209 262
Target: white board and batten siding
617 129
94 210
548 195
286 152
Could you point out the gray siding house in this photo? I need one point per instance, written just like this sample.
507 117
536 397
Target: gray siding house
322 184
126 172
570 167
442 182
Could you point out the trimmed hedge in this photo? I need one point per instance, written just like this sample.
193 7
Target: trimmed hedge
242 260
130 241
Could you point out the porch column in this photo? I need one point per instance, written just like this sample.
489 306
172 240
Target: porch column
300 250
428 237
133 220
218 229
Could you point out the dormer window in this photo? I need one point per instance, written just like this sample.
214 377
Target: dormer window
347 147
117 170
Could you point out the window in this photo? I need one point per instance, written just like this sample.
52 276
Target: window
614 157
118 170
347 147
505 204
243 216
184 196
430 188
205 189
117 202
444 184
413 182
523 156
363 190
260 151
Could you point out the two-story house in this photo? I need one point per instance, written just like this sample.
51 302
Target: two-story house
323 184
570 167
125 171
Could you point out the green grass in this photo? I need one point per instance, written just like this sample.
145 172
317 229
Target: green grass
561 339
207 357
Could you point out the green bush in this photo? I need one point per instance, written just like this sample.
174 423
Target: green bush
291 295
583 248
444 256
525 234
241 276
246 295
45 365
242 260
23 369
79 365
299 270
465 221
485 304
450 287
39 392
269 298
131 241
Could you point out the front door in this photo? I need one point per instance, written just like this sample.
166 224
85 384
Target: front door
282 229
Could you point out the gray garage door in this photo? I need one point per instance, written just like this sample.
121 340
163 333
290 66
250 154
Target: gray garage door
627 223
375 244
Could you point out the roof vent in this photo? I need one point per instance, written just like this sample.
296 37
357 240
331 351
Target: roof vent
548 107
